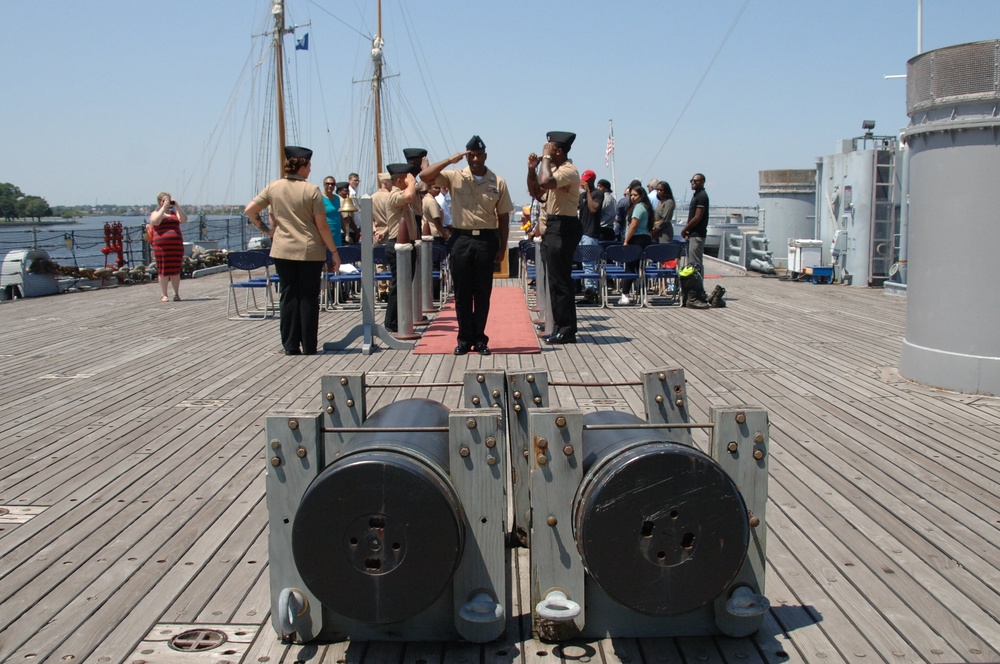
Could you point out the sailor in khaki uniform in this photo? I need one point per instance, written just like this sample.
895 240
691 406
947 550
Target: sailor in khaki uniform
480 214
558 180
401 228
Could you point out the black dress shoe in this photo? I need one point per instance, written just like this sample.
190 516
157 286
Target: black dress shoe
295 351
561 338
483 349
462 349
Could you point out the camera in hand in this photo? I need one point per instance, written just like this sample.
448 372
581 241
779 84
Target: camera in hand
173 202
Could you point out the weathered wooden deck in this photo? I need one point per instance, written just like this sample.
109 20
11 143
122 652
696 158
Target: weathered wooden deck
133 472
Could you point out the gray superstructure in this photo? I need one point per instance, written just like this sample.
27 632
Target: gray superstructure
952 97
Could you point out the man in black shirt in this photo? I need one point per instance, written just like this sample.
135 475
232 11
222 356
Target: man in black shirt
695 232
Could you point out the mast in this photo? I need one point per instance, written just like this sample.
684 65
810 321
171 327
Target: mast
278 11
377 45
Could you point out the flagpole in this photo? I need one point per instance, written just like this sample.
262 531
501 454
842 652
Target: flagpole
611 154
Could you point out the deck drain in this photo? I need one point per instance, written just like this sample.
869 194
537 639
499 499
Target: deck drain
197 640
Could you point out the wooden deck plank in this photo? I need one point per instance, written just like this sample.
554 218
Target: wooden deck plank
163 405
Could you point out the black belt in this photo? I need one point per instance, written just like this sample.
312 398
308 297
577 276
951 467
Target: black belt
561 217
479 232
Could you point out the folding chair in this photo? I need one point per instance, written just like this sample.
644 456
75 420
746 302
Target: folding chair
350 254
655 256
616 259
248 261
383 276
589 253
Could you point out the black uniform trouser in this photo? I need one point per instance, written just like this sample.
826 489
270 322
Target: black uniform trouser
300 283
471 258
562 235
391 309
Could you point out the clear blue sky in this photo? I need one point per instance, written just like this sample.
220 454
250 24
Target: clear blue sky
112 101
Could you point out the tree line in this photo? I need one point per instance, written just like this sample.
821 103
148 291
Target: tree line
14 204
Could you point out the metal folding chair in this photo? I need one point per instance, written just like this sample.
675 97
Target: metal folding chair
655 256
589 253
616 259
350 254
249 261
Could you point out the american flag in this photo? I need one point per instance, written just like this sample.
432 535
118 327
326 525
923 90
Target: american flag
610 150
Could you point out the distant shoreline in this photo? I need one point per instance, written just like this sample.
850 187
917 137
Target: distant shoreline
48 221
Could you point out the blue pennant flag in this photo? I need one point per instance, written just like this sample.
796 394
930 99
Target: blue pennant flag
302 44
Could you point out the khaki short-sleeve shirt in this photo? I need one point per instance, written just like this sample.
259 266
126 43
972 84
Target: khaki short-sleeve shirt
380 217
565 198
294 205
398 211
432 210
476 204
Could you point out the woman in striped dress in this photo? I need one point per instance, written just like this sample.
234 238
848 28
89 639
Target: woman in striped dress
168 244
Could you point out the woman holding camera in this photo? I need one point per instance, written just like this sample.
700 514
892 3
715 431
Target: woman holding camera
167 242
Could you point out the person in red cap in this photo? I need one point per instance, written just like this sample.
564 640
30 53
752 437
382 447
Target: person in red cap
591 202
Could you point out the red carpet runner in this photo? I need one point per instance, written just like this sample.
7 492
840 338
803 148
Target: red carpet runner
509 327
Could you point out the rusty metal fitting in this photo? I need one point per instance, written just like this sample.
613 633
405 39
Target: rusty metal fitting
301 452
275 461
560 421
542 459
491 460
741 417
542 443
491 441
758 438
754 521
275 444
471 423
463 451
758 454
568 450
552 521
293 424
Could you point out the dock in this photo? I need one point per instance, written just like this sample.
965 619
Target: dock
132 503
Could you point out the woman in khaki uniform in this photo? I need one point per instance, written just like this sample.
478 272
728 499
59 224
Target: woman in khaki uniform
299 240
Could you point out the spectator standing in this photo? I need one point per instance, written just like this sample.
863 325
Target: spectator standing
168 243
695 232
663 218
589 211
609 210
